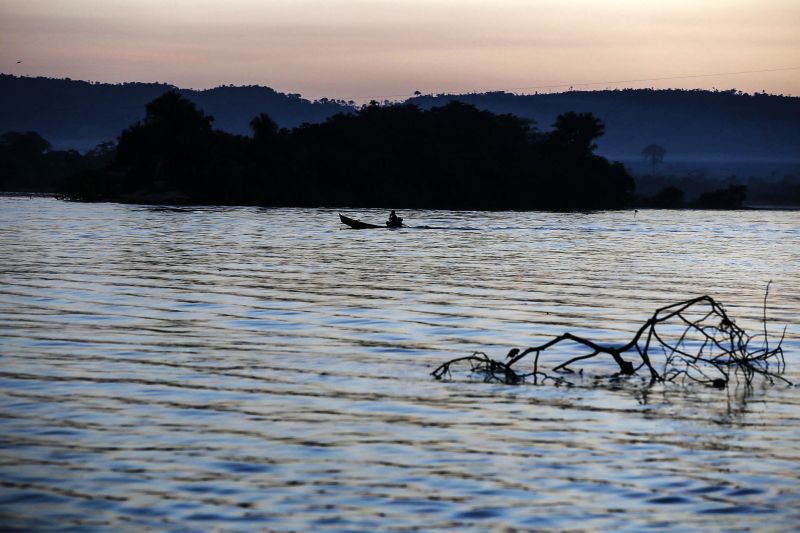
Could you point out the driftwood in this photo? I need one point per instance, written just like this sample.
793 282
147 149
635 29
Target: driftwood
691 340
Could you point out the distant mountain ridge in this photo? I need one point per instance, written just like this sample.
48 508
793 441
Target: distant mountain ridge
692 123
696 127
713 133
80 114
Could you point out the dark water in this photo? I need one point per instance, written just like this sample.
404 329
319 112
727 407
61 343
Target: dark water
241 368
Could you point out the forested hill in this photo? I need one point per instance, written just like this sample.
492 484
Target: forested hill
691 125
80 114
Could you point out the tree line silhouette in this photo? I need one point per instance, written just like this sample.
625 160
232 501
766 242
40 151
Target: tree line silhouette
79 114
732 196
454 156
28 162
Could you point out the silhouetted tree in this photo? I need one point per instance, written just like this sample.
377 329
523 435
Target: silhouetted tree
171 144
27 144
28 162
102 154
655 154
264 129
575 133
668 198
732 197
177 114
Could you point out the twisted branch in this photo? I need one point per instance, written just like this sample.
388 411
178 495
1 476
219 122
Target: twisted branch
711 349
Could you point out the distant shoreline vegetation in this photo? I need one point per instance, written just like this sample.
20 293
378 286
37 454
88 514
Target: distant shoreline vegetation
454 156
712 139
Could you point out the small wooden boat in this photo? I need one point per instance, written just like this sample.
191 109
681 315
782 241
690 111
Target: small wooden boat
357 224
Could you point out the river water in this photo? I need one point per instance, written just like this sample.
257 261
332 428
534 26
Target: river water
268 369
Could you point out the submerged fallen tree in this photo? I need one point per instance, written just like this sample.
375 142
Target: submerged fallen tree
690 340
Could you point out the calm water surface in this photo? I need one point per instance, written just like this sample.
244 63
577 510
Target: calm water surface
267 369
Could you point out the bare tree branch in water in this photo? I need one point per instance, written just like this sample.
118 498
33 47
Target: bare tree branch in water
691 340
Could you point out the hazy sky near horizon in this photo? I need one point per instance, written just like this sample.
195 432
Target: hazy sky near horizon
361 49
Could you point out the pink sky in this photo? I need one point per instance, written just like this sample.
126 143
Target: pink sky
362 49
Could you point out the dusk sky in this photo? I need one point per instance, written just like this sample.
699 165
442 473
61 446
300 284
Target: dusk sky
360 49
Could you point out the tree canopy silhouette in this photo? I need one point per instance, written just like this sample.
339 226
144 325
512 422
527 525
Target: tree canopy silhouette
655 154
454 156
28 162
731 197
575 134
25 144
264 129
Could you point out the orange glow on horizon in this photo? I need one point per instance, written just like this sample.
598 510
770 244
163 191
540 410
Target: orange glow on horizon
360 49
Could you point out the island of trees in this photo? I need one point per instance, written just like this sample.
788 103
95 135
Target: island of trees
453 156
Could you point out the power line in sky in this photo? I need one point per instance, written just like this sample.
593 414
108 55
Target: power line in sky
615 82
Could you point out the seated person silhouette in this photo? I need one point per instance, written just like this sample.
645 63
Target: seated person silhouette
394 220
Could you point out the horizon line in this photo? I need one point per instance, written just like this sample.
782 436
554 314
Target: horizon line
509 90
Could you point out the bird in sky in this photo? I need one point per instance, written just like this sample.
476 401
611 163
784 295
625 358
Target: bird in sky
18 62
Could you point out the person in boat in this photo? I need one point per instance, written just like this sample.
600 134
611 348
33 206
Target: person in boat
394 220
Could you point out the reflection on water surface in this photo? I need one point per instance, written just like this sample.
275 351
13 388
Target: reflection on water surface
267 369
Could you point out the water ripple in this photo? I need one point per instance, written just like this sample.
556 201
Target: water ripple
251 369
